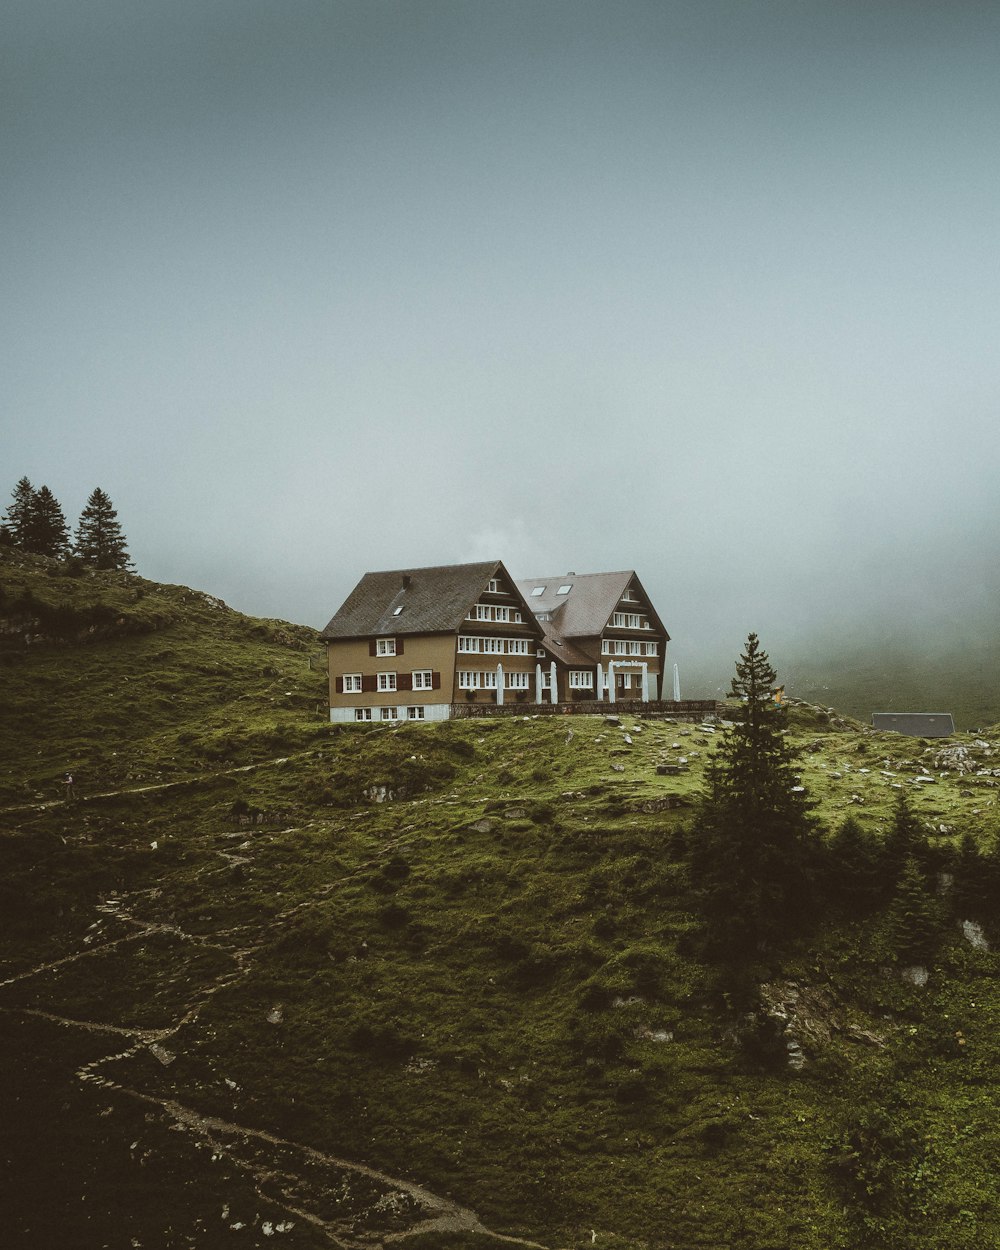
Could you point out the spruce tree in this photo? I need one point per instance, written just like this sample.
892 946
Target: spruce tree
47 533
754 844
99 537
852 870
18 515
915 915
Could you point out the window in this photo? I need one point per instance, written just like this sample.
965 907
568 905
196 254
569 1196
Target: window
493 587
618 620
517 646
516 681
605 647
650 648
631 648
628 595
423 679
352 683
387 681
564 590
491 646
398 610
388 713
581 680
547 681
362 713
517 618
482 612
466 644
489 680
414 713
385 646
501 614
540 653
468 681
539 590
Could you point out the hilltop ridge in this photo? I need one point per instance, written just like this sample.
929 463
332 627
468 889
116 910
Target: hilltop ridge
278 982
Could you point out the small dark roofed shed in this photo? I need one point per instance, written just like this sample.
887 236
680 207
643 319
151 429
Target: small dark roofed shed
915 724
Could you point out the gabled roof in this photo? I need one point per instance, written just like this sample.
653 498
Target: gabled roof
586 608
433 600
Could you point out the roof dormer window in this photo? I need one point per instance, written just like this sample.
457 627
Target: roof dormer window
539 590
564 590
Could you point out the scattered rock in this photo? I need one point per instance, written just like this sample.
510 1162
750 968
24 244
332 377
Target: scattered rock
161 1053
974 935
275 1015
915 975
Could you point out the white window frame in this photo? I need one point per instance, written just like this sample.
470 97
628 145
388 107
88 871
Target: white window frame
388 713
517 646
468 680
581 679
416 713
605 646
516 681
423 679
352 683
362 713
493 586
386 681
488 680
517 618
385 646
467 644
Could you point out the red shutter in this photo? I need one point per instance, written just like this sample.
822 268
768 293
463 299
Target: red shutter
371 646
340 685
399 646
369 683
435 681
404 681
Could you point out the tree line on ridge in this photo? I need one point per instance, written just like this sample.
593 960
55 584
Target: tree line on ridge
34 522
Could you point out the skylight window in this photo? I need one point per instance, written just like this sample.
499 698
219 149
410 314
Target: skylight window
539 590
564 590
397 611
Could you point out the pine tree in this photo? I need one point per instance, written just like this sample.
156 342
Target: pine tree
970 889
905 838
754 845
915 915
18 515
47 533
99 537
852 870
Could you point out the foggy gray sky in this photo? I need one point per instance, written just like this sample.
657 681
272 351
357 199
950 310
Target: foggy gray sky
707 289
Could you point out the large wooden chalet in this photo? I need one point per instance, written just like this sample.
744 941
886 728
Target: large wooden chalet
409 644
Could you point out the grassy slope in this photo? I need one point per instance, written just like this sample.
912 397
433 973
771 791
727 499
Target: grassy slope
484 985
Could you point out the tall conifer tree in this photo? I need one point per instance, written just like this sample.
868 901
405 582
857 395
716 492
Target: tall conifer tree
47 533
754 844
18 515
99 537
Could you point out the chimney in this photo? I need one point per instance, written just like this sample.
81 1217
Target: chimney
406 581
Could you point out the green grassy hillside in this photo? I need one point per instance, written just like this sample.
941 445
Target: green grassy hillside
270 982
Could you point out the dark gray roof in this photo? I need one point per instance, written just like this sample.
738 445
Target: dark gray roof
585 610
433 600
916 724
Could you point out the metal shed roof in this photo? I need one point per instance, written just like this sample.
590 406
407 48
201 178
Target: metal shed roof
915 724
